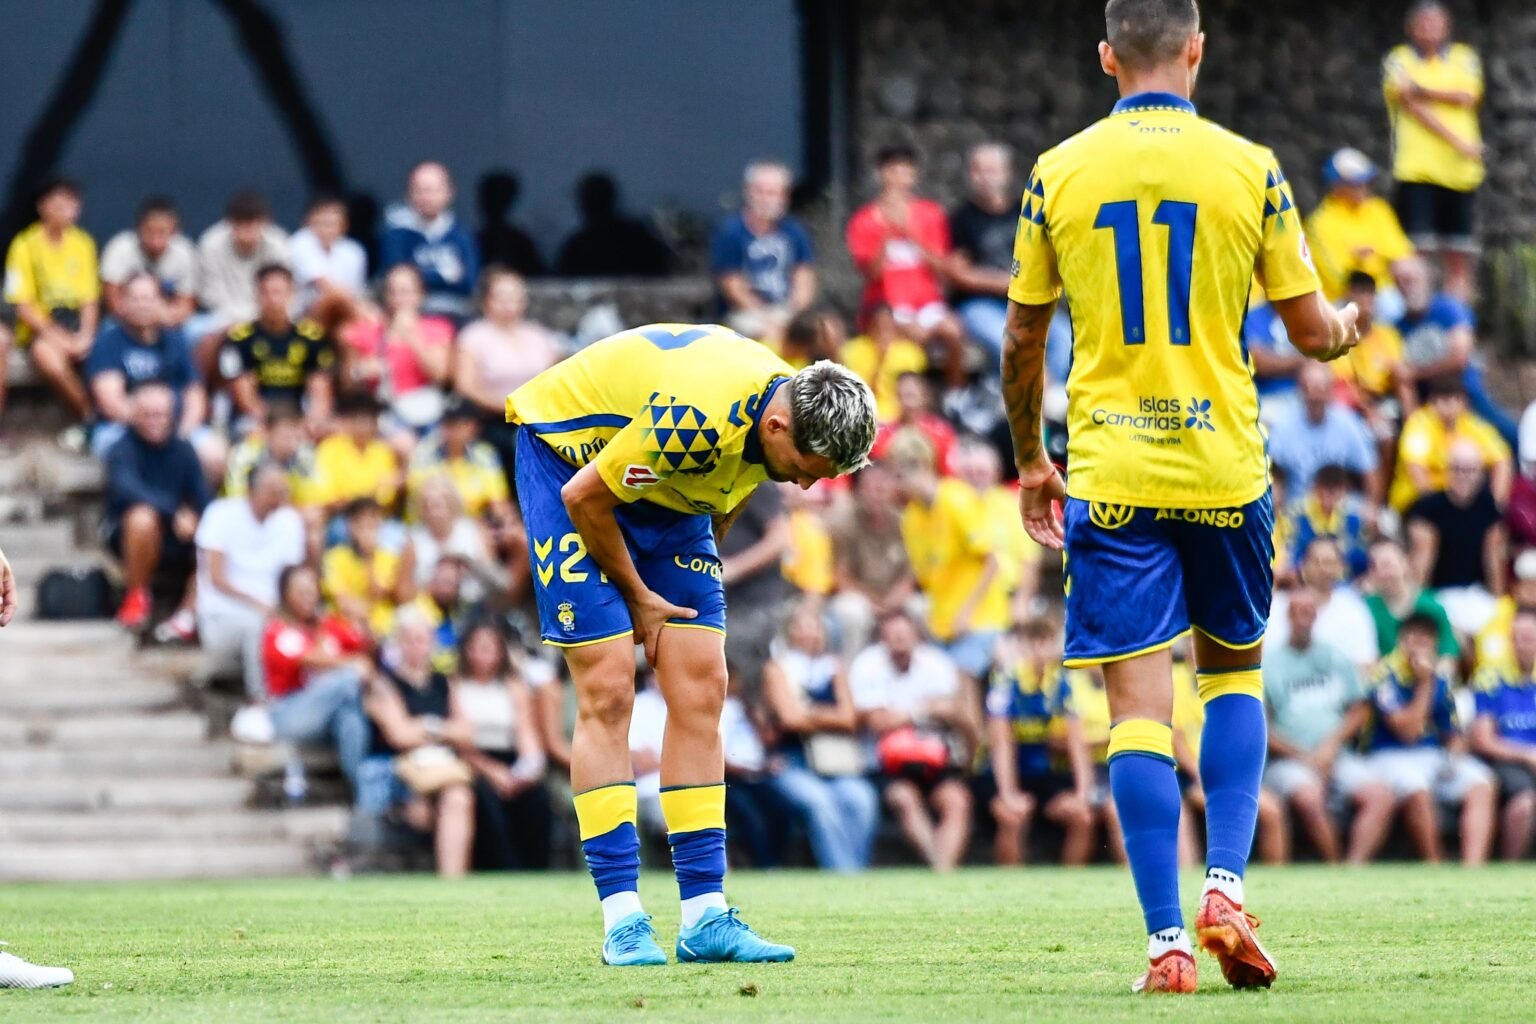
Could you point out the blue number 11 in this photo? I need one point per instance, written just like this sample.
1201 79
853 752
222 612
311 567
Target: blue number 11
1122 220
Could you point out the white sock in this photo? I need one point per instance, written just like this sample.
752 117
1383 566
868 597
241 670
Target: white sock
619 906
1224 882
1161 942
694 907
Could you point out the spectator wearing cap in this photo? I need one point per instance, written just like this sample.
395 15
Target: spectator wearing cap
155 496
1395 594
982 229
900 242
761 257
1424 449
454 450
423 233
1504 732
1353 229
1439 338
228 256
1460 547
1434 88
1495 643
154 246
326 263
53 289
1321 431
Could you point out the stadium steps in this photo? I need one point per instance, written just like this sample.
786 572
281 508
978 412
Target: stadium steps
108 771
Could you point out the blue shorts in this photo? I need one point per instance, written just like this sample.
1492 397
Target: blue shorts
1139 578
674 553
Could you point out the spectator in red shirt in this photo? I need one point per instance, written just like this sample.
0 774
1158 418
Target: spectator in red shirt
915 399
315 671
900 243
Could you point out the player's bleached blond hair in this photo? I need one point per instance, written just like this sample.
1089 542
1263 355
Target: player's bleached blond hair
833 414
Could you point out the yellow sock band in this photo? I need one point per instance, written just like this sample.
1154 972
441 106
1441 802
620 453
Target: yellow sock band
1141 736
601 810
1249 680
693 808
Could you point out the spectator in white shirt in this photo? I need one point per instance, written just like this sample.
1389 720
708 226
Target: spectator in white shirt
155 246
243 546
1343 620
908 695
228 256
326 263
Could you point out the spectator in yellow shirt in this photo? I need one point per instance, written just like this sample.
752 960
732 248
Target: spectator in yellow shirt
880 356
362 580
1433 89
1353 229
1018 557
53 283
1424 450
455 450
354 462
953 554
808 562
1380 384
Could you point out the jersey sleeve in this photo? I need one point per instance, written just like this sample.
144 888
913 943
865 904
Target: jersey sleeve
90 283
1034 281
1471 67
1394 72
1285 260
20 284
666 438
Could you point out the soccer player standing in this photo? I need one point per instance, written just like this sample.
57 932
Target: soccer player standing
1155 221
633 458
14 971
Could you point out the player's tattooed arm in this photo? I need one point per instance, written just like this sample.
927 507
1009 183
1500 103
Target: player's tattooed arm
1024 337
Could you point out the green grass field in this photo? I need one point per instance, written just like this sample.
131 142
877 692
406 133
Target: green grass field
1403 944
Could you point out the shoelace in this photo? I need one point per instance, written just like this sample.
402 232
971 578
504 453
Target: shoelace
730 920
628 938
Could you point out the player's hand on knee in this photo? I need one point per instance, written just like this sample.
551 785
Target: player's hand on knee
1040 492
649 613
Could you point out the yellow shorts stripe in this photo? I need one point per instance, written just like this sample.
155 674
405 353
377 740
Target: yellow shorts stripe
693 625
1161 645
693 808
589 643
1219 684
601 810
1250 645
1141 736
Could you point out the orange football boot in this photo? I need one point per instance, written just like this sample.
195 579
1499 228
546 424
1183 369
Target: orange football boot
1173 972
1225 931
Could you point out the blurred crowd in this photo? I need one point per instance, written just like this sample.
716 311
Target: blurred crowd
309 474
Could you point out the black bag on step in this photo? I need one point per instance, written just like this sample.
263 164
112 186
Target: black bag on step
78 592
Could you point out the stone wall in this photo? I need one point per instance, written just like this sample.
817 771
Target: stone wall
1302 76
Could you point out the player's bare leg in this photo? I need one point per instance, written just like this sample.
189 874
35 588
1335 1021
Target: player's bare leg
690 667
1148 802
1374 807
1231 765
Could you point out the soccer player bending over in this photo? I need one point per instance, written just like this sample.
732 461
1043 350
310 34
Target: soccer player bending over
634 457
1155 222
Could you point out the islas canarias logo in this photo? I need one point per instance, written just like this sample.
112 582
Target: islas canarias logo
1199 415
1156 413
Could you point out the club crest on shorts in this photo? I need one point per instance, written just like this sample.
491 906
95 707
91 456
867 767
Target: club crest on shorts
566 613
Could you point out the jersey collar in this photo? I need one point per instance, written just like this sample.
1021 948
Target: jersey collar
1153 101
752 451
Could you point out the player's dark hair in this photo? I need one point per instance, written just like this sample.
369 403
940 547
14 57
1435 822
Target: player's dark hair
267 270
152 205
1331 476
359 507
895 153
1360 281
1147 33
245 206
1420 622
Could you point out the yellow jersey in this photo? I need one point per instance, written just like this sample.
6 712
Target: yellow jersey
345 472
1338 231
1372 364
1418 154
1085 699
477 475
880 369
1425 442
667 412
1014 547
1155 221
51 276
808 561
346 572
948 543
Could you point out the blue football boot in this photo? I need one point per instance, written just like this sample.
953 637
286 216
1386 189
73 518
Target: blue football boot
721 936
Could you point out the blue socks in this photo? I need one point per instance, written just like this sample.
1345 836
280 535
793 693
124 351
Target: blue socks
1232 749
1146 793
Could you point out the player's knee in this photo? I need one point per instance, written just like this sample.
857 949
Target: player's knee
607 702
